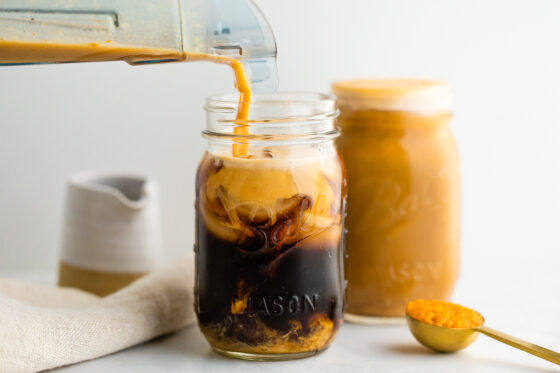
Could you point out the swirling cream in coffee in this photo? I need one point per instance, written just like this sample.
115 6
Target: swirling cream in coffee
269 278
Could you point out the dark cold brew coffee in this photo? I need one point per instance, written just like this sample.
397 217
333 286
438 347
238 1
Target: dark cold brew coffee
269 253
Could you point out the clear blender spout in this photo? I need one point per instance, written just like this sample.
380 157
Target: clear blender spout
139 32
233 28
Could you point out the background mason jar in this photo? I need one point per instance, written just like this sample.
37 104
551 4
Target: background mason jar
403 197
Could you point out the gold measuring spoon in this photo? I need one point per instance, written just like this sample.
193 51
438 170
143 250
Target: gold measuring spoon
445 339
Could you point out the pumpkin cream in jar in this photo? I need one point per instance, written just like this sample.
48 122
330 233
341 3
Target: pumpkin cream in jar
403 194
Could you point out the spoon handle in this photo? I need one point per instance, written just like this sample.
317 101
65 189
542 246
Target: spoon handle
539 351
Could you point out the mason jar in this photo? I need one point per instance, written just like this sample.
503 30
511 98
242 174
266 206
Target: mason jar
269 227
403 197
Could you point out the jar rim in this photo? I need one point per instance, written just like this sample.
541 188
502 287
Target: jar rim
279 97
276 107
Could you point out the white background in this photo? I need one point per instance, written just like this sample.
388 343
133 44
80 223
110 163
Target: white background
501 57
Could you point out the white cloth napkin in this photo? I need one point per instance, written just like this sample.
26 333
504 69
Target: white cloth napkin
44 327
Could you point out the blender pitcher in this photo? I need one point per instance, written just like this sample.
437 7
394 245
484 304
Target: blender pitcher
138 32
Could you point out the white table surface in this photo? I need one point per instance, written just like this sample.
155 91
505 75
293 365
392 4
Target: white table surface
357 349
519 297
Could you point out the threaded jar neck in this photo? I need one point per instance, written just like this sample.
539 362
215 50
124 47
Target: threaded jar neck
281 117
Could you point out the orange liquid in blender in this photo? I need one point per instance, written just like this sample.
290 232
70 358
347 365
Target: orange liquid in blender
51 52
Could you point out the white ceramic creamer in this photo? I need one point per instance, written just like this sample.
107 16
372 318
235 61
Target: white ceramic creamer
111 232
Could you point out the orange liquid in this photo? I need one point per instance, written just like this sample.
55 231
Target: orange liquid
403 209
403 193
51 52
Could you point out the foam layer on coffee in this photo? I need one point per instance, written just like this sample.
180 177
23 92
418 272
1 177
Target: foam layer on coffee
410 95
289 199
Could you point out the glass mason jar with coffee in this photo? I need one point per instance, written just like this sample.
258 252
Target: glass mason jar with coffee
403 196
269 227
